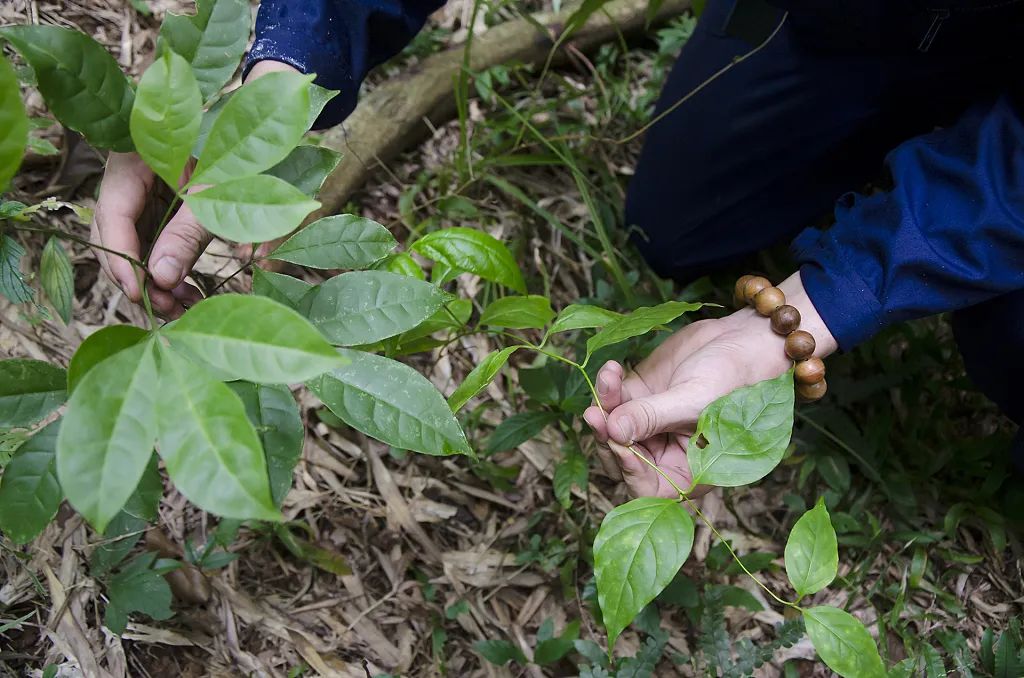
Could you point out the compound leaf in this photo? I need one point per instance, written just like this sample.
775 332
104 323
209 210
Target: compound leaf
518 313
13 124
812 551
274 413
29 390
639 322
58 278
30 493
581 317
99 346
212 41
470 251
843 643
253 209
306 168
341 241
480 377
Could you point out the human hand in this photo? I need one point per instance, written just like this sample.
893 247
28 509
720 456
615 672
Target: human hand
655 408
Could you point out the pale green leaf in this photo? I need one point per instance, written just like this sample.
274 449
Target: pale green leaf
306 168
843 643
137 588
166 116
340 241
638 550
29 391
12 280
254 338
470 251
213 41
99 346
274 413
812 552
108 432
30 493
482 375
129 525
518 313
253 209
279 287
82 84
13 124
747 432
319 97
391 402
57 278
582 316
639 322
210 447
364 307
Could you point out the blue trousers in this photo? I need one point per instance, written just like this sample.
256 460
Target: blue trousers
767 147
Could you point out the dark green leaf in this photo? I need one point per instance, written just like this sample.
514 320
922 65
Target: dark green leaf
274 413
835 470
482 375
281 288
581 316
13 124
252 209
82 84
469 251
29 390
391 402
812 552
499 652
843 643
99 346
1006 662
57 278
734 596
453 316
30 493
638 550
518 313
213 41
306 168
128 526
570 471
341 241
580 17
12 280
550 650
137 588
519 428
747 431
637 323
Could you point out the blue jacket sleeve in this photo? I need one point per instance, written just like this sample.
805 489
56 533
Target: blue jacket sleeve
950 233
339 40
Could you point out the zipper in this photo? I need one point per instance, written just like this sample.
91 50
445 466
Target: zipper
938 17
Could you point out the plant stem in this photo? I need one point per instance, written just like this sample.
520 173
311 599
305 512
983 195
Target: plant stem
74 238
163 223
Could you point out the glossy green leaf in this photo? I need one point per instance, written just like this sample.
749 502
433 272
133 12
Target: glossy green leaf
57 278
306 168
812 551
210 447
13 125
470 251
137 588
12 280
341 241
364 307
30 493
99 346
257 128
843 643
253 209
637 552
29 391
639 322
254 338
401 263
275 414
391 402
166 116
82 84
582 316
279 287
212 41
518 313
108 432
482 375
747 431
519 428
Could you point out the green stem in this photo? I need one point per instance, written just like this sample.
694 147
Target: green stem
163 223
74 238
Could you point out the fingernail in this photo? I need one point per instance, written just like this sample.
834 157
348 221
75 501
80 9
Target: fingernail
626 429
168 271
602 384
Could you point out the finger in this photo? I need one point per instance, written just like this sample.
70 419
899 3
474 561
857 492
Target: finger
670 411
187 295
177 249
164 303
123 193
634 471
595 419
609 385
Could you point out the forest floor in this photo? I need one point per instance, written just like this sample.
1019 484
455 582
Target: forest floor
441 553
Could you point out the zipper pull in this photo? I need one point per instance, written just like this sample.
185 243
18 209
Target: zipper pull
939 16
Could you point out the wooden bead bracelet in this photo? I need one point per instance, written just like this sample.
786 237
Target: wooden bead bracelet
770 301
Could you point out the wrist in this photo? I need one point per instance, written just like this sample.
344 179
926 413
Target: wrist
265 66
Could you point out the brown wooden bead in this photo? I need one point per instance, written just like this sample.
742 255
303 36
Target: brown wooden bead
769 299
753 286
809 371
812 392
737 293
800 345
785 319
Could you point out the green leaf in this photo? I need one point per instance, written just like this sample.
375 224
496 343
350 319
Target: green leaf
482 375
364 307
812 552
306 168
319 97
211 449
550 650
254 338
402 264
391 402
519 428
747 432
82 84
128 526
843 643
281 288
29 391
518 313
499 652
580 17
570 471
12 280
341 241
213 41
13 125
107 435
58 278
166 116
581 316
274 413
137 588
257 128
30 493
1005 661
99 346
470 251
453 316
639 322
253 209
638 550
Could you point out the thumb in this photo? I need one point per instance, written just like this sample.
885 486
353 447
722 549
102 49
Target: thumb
641 418
177 249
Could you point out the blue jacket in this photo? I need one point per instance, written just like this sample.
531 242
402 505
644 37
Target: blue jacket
950 234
